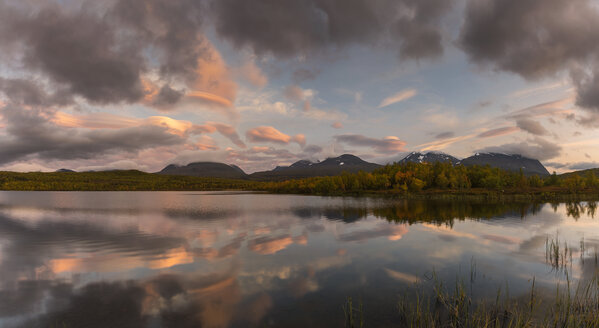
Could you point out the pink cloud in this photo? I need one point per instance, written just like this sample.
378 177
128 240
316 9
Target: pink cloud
270 134
498 132
390 144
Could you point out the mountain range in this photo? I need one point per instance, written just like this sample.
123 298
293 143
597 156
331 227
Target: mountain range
352 164
206 169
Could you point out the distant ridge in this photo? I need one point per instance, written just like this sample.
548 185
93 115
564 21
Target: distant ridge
328 167
64 170
352 164
508 162
206 169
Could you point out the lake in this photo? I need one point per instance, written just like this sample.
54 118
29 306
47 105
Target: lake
191 259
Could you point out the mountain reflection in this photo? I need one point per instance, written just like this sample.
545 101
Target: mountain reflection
180 260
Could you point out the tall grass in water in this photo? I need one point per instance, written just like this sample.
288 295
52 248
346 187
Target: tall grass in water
351 314
452 307
569 307
558 256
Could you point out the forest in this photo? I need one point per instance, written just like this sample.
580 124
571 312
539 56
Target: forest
439 177
400 179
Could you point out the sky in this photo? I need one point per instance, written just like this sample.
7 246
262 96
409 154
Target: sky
140 84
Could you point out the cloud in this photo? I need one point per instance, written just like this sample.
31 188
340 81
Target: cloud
443 143
253 74
385 145
179 127
27 167
167 97
537 148
532 127
583 165
574 166
498 132
118 165
541 39
270 134
301 75
105 52
212 83
300 27
398 97
269 245
535 90
445 135
294 93
586 81
337 125
78 50
394 232
312 149
29 92
551 108
224 129
30 134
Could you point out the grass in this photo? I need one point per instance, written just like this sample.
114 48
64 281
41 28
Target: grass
354 317
569 307
557 256
432 303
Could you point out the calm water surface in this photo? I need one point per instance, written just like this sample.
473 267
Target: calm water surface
181 259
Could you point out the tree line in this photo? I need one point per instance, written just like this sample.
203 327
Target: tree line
439 176
397 178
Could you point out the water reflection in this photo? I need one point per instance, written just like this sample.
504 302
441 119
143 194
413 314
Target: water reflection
238 260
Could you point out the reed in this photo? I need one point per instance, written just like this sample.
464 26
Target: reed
450 306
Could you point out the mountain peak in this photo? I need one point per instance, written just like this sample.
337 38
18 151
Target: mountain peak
328 167
429 157
206 169
346 159
510 162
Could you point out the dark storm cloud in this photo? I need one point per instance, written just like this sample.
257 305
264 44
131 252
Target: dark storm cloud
81 51
167 97
28 92
31 134
537 148
290 27
172 26
419 30
536 39
100 50
587 84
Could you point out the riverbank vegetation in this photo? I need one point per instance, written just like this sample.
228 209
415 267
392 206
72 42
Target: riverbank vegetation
441 178
129 180
407 180
431 303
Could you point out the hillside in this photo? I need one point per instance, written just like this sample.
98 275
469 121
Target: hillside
507 162
206 170
305 169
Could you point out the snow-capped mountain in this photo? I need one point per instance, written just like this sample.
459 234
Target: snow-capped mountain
430 157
